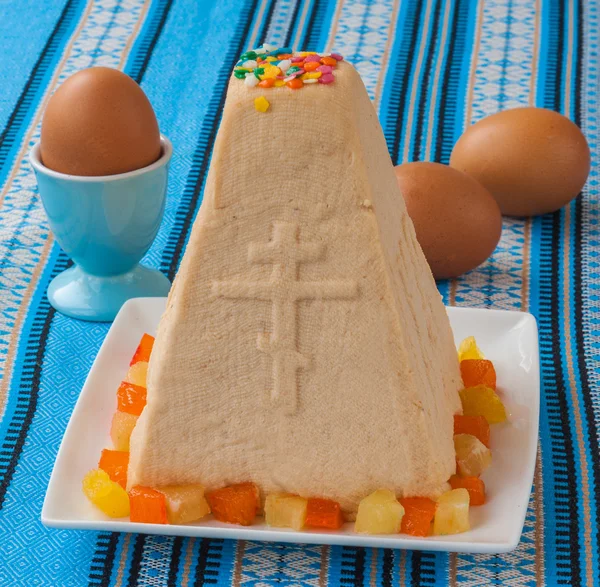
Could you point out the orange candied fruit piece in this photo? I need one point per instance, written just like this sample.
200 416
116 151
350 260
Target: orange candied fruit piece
143 351
478 372
147 505
329 61
131 398
476 426
324 513
418 515
115 463
266 83
474 485
235 504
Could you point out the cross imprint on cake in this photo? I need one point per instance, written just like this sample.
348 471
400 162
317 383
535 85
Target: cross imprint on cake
283 289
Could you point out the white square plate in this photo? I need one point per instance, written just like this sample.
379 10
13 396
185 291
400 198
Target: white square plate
509 339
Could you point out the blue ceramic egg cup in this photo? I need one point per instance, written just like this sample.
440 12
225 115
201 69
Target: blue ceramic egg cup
106 225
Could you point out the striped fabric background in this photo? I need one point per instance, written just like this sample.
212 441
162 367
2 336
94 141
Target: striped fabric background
432 67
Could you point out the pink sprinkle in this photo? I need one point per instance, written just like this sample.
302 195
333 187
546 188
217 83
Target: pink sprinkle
326 78
337 57
297 59
289 78
279 77
310 58
325 69
300 71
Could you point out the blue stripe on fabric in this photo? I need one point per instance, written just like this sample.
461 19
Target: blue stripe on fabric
37 84
391 113
319 26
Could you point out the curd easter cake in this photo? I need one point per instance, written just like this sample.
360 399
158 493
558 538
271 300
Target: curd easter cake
305 348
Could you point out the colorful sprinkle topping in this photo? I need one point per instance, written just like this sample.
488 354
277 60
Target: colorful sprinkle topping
272 67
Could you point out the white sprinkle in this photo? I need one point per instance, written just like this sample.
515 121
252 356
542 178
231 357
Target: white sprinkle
251 80
310 81
250 64
289 78
269 47
284 64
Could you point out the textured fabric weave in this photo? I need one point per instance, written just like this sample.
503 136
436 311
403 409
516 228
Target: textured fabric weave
432 67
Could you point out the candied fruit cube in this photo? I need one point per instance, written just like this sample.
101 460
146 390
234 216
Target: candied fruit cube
478 372
115 463
236 504
144 350
105 494
475 425
474 485
483 401
283 510
324 513
418 515
185 503
379 513
472 456
121 428
137 374
131 398
147 505
468 349
452 513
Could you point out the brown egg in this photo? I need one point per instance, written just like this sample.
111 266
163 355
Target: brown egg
99 122
532 160
458 223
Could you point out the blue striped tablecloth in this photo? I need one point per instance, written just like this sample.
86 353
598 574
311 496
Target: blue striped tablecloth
432 67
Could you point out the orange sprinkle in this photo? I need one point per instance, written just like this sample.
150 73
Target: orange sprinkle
295 84
311 65
284 56
147 505
266 83
329 61
474 485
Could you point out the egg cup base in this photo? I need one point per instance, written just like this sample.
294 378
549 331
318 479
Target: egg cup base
78 294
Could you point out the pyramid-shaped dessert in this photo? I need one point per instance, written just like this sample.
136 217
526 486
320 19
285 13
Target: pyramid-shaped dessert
305 346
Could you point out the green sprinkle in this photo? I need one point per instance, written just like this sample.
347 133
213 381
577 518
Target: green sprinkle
292 69
240 74
259 71
248 55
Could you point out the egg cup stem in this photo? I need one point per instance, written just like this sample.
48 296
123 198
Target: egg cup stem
77 294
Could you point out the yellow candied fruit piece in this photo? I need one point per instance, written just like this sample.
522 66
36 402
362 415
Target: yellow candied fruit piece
261 104
121 428
279 83
452 513
105 494
285 511
304 53
270 58
185 503
137 373
483 401
472 456
379 513
468 349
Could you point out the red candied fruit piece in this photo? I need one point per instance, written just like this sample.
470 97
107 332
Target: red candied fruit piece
236 504
418 515
324 513
476 426
144 350
131 398
147 505
478 372
474 485
115 463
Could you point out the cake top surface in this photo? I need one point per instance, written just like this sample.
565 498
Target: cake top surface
270 66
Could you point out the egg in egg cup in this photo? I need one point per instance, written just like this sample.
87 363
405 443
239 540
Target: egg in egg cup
106 224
